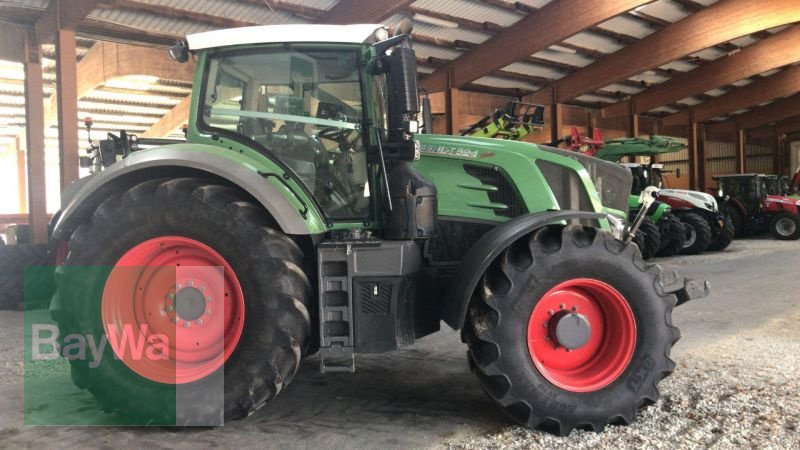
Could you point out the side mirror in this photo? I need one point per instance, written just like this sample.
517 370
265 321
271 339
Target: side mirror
179 52
678 172
403 104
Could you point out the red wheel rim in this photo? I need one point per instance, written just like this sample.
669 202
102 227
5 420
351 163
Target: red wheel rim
180 305
607 349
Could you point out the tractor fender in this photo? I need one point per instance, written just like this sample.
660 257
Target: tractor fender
487 248
81 198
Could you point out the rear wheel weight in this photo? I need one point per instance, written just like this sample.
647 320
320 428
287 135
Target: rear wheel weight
217 226
584 265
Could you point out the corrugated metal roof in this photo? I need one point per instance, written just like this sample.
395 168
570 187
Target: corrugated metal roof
535 70
478 12
664 10
505 83
573 59
424 51
716 92
444 33
743 82
625 24
680 66
624 88
594 41
594 98
691 101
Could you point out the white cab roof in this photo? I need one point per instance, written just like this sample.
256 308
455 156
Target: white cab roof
267 34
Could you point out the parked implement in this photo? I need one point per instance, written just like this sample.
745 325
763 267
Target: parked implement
753 210
304 214
705 226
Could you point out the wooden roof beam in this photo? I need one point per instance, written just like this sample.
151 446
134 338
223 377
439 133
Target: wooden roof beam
783 83
550 25
773 52
354 11
774 112
61 15
720 22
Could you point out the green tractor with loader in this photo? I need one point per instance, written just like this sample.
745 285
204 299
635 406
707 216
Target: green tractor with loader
306 214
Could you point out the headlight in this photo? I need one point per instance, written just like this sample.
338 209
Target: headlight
617 226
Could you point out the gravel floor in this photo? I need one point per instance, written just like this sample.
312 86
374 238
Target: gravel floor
741 392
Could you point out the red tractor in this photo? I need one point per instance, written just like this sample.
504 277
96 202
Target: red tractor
753 210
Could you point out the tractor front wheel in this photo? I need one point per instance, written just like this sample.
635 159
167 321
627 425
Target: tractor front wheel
648 239
725 235
739 228
211 298
673 235
568 330
697 233
785 226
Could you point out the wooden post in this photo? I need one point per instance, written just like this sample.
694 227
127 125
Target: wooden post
34 133
556 122
22 195
701 157
741 160
67 91
454 111
694 175
777 154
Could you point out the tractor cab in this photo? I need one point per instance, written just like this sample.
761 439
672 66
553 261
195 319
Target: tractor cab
314 108
749 190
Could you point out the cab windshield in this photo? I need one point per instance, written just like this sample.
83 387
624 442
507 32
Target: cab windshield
305 106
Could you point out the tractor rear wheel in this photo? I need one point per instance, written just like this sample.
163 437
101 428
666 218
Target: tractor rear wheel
673 235
725 235
697 232
648 239
196 266
568 330
785 226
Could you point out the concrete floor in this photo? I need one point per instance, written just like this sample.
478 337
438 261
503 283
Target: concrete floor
423 396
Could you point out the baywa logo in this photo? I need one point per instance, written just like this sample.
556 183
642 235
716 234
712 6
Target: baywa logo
129 354
139 344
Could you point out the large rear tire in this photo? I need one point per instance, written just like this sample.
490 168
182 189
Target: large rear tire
725 235
785 226
697 232
254 310
525 296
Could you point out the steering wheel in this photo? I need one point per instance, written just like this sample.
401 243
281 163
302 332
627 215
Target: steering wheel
332 134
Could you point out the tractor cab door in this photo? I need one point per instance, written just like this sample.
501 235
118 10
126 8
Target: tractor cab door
304 106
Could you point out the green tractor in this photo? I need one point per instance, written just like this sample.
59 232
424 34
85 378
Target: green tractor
307 215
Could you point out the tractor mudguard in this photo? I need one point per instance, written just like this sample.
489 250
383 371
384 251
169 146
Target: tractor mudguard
83 196
487 248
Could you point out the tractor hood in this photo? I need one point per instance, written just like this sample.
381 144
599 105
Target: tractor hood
606 184
693 199
614 149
